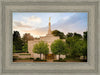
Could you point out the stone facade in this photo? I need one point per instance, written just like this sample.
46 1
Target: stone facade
49 38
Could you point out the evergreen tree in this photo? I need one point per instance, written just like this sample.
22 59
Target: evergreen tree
17 41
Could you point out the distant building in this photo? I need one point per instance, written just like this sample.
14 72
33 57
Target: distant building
49 38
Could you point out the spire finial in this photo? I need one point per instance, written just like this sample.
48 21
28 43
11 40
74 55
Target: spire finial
49 19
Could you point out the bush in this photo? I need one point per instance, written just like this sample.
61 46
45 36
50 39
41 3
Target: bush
32 58
60 60
24 54
37 59
17 51
43 60
15 58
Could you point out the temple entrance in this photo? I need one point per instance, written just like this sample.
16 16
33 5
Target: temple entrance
50 56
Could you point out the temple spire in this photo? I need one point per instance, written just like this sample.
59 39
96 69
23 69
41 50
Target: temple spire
49 30
49 19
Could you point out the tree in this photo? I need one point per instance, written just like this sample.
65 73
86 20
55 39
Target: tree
81 47
74 44
27 37
25 48
70 42
16 35
41 48
69 35
85 44
17 41
14 49
77 45
84 51
58 33
77 36
58 47
85 35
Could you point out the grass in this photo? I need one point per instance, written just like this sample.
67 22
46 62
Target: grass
24 54
16 58
38 59
70 60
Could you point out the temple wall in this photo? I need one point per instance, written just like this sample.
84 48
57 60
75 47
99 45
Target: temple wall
48 39
61 56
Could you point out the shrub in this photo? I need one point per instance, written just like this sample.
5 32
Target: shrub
32 58
15 58
24 54
43 60
60 60
37 59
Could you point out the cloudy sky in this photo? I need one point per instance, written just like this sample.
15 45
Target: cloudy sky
37 23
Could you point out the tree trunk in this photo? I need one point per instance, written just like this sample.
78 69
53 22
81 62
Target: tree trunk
59 56
66 56
84 57
40 55
44 56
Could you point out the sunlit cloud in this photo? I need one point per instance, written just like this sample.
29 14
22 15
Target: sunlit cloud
37 24
21 24
27 22
33 19
37 32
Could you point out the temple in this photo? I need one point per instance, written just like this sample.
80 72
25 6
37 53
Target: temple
49 38
49 29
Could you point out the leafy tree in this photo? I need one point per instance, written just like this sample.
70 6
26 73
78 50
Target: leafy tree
70 44
69 35
81 48
77 36
85 35
66 51
41 48
58 47
78 47
58 33
25 48
17 41
75 45
27 37
84 51
85 44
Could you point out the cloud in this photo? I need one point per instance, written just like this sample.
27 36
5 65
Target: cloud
27 23
33 19
21 24
37 32
74 23
33 25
